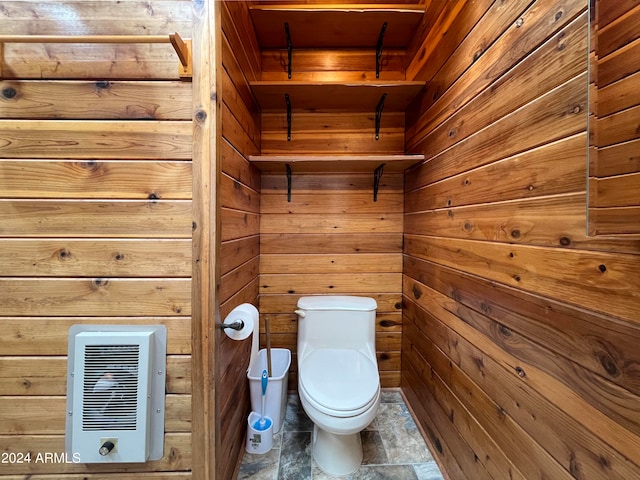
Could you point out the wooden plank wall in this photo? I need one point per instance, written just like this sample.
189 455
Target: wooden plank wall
95 214
520 333
614 163
332 238
240 218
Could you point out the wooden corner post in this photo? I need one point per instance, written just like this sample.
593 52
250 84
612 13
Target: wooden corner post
206 231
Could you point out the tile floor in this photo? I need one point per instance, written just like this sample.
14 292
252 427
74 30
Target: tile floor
393 448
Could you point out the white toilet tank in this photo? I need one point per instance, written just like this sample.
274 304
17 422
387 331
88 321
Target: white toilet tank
336 322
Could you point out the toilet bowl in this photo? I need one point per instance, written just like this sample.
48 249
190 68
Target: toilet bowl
338 379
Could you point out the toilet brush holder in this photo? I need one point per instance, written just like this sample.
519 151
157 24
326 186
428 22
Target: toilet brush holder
259 437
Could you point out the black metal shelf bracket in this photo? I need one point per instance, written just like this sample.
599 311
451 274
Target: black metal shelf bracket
287 100
379 108
378 49
377 175
288 182
289 48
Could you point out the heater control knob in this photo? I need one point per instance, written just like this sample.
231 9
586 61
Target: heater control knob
106 448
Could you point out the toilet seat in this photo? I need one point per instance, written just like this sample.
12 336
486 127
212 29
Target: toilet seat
339 382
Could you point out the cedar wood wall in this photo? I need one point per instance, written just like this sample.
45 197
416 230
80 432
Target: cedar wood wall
506 363
614 139
106 210
520 341
332 238
240 219
95 202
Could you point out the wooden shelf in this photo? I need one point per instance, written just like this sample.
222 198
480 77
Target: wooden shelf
334 163
352 96
336 26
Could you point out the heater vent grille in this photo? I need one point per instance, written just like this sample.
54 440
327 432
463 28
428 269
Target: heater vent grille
115 393
110 387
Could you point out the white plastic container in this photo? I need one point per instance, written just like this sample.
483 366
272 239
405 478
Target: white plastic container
259 440
276 402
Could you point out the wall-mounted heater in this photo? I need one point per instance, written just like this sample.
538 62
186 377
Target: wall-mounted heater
115 393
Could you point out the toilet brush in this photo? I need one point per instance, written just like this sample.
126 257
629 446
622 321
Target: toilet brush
264 422
268 335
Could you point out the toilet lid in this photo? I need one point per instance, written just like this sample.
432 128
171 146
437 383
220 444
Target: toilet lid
339 380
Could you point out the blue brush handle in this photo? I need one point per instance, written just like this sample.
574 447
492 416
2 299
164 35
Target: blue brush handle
265 380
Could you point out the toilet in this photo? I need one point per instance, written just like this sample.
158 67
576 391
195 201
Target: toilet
338 379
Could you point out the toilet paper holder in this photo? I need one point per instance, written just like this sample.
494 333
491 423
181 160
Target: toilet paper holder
237 325
242 322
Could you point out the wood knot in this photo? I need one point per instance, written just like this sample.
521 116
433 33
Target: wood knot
504 330
521 373
119 256
387 323
479 362
565 241
64 254
574 467
384 356
194 225
173 455
438 445
519 22
153 196
100 282
201 116
92 166
417 293
103 84
602 268
9 92
397 306
517 278
515 233
467 226
558 15
609 364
